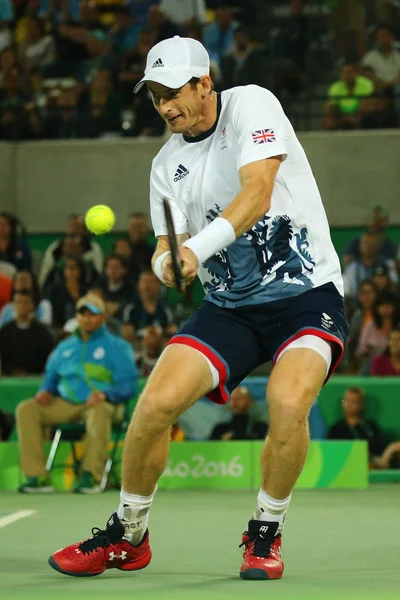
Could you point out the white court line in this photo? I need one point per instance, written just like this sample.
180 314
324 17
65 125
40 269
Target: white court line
16 516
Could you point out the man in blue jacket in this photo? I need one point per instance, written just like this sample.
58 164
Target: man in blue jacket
89 377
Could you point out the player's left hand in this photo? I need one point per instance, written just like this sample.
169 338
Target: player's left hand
95 398
190 264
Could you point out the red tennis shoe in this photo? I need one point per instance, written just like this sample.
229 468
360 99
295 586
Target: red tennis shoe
262 551
105 550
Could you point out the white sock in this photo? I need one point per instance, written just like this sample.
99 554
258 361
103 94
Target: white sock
133 512
271 509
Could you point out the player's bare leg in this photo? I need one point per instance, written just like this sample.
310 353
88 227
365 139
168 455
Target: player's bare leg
292 388
180 377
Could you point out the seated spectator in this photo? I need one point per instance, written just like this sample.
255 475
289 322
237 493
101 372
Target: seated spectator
5 290
218 36
117 289
122 247
37 51
147 310
375 335
380 277
140 10
13 248
241 426
349 100
13 116
388 363
133 65
361 269
92 254
124 32
152 346
103 105
25 344
377 225
244 64
64 120
354 426
362 315
162 26
184 13
348 24
139 231
54 260
24 280
65 291
89 377
382 64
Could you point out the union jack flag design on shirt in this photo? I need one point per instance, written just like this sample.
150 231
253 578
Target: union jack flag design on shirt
263 136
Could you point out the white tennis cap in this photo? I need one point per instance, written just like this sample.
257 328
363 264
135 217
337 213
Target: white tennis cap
173 62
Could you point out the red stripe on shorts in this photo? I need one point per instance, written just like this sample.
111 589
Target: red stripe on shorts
219 395
324 335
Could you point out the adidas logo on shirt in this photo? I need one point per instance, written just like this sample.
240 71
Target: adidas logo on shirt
181 172
158 63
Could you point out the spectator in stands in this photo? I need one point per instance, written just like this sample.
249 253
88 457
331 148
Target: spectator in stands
25 344
147 310
375 335
64 120
161 25
184 13
70 245
124 32
358 270
5 290
348 22
388 363
382 65
354 426
13 247
140 10
25 280
241 426
152 346
37 51
218 36
380 277
104 106
122 247
133 64
139 231
349 100
65 291
244 64
116 287
89 377
362 315
377 225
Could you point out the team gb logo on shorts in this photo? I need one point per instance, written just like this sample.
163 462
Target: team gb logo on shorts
99 353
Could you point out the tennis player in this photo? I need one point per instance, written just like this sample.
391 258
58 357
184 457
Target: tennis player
251 224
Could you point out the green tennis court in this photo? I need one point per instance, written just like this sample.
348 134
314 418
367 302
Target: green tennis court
337 545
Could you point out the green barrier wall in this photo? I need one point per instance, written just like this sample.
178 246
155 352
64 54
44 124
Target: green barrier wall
382 397
217 465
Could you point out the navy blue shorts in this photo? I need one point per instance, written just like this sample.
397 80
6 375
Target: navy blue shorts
238 340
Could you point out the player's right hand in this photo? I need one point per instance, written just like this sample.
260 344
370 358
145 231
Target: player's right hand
44 398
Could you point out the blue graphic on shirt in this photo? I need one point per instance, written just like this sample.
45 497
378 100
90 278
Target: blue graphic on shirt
269 262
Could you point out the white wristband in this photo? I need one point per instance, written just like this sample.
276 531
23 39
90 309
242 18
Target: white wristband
217 235
158 265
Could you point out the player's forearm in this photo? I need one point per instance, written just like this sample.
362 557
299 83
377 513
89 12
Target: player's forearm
252 202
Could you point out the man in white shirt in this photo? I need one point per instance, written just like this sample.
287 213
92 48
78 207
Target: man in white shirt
250 223
383 63
182 12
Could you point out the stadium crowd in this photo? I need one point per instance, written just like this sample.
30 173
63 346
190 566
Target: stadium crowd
68 67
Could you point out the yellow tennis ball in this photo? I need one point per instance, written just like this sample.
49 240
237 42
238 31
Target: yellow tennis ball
100 219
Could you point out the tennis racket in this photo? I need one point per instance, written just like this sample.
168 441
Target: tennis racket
176 261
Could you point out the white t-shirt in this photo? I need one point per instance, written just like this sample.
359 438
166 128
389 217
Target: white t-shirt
180 11
289 251
385 67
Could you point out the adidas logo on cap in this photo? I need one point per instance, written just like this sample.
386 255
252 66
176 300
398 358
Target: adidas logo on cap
158 63
181 172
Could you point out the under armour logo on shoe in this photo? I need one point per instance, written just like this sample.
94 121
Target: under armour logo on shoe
122 556
181 172
157 63
263 529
